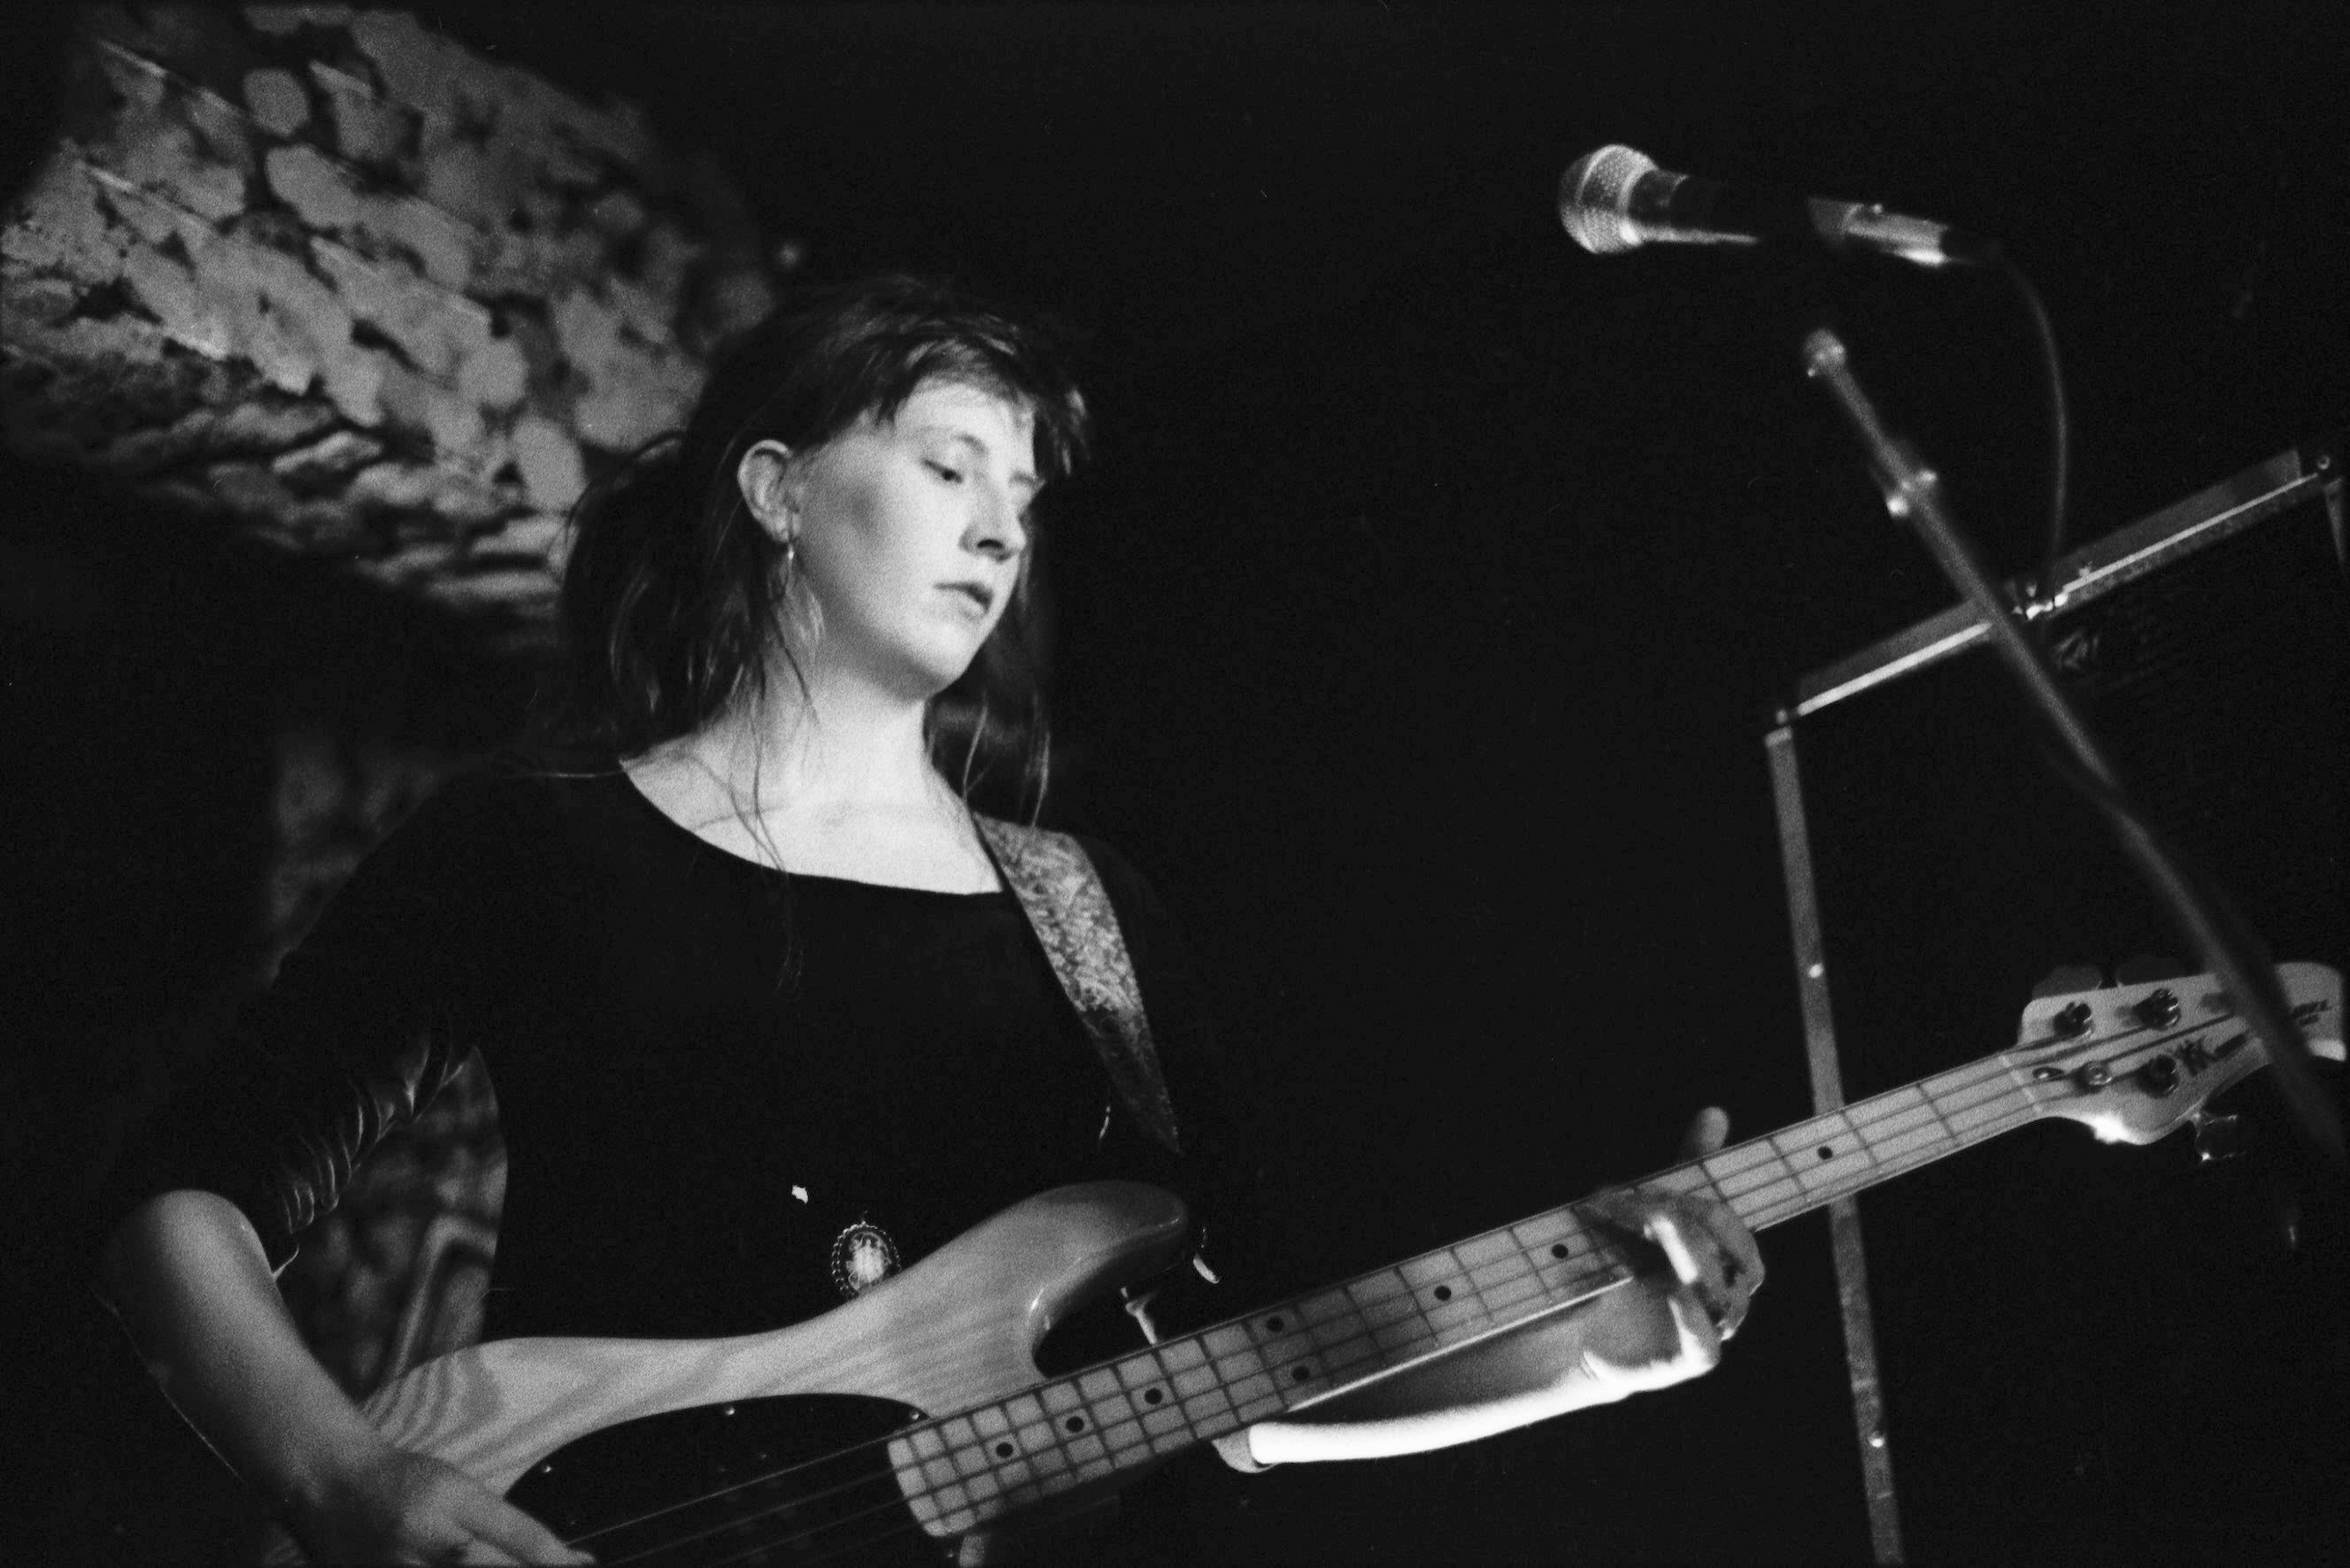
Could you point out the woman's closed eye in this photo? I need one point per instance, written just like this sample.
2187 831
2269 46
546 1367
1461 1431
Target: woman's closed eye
948 472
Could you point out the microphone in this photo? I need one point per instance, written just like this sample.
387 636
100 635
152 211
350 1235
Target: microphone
1616 200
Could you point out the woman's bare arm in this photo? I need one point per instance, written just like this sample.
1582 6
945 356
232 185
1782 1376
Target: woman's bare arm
187 1275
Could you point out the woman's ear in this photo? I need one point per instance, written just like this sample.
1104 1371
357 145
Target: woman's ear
770 488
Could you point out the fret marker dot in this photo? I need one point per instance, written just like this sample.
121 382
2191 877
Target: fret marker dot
1826 1153
1300 1373
1153 1395
1275 1324
1558 1249
1003 1450
1075 1423
1444 1292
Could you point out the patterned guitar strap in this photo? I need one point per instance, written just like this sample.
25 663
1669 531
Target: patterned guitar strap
1069 909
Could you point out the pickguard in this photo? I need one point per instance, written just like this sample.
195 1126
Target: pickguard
769 1480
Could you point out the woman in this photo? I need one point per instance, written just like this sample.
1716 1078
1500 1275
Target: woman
764 1022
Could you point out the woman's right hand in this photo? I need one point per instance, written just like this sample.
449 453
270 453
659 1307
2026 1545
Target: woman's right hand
188 1275
404 1508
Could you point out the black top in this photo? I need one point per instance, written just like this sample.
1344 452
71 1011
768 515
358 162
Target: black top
726 1091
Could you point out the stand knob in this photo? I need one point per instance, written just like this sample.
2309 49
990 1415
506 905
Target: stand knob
2217 1138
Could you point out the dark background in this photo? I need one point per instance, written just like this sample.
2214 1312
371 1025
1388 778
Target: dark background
1421 617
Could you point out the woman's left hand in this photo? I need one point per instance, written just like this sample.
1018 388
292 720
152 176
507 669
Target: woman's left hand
1669 1324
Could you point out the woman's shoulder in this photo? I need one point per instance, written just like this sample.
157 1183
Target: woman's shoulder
495 812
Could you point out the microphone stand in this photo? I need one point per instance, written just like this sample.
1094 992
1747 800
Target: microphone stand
2221 943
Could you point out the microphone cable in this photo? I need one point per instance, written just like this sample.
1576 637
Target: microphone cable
2060 419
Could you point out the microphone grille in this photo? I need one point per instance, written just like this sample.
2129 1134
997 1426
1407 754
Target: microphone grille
1595 199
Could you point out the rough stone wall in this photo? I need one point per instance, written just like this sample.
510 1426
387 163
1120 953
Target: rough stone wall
322 277
328 274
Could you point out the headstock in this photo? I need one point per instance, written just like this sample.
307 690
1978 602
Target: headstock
2133 1062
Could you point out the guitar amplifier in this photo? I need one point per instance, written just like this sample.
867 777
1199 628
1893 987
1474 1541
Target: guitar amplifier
2059 1348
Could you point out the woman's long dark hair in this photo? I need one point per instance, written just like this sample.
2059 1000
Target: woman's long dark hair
672 598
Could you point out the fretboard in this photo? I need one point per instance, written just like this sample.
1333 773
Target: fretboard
1095 1424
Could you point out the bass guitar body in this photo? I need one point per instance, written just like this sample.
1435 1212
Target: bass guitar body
777 1448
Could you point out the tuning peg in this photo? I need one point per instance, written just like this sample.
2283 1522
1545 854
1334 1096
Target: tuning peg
2216 1137
2072 1021
2159 1010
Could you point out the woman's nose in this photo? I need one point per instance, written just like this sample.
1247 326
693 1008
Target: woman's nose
996 527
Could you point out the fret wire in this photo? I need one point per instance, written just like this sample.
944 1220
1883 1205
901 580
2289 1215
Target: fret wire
1934 1098
1934 1090
1938 1094
1817 1134
1555 1280
1810 1134
1467 1277
1771 1214
1500 1264
1347 1319
1950 1105
1576 1271
926 1488
1908 1134
1343 1326
1771 1154
1410 1335
1385 1298
1469 1312
1898 1115
1000 1471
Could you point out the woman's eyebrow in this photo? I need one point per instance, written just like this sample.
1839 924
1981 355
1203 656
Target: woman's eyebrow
1021 477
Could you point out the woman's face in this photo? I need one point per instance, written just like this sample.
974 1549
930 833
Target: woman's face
909 533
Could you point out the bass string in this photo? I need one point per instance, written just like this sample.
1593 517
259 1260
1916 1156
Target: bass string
1945 1094
1981 1074
902 1523
898 1515
1581 1271
1773 1213
858 1456
899 1522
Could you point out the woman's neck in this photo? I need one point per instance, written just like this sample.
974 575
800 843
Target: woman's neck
829 779
823 749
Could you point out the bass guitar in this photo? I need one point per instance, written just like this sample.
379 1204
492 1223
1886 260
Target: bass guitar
914 1415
